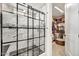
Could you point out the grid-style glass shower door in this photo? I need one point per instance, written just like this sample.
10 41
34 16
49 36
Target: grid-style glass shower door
22 30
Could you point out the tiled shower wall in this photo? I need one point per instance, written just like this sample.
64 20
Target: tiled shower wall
22 30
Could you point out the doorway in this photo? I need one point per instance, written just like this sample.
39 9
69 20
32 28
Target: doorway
58 29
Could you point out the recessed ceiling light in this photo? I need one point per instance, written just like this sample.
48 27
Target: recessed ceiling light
59 9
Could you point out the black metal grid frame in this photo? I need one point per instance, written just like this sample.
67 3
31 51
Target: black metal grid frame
1 28
17 28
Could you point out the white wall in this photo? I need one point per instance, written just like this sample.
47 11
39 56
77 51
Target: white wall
72 30
49 30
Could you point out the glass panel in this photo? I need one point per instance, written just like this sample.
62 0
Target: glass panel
41 24
36 32
41 16
36 41
22 48
9 7
42 49
36 51
41 32
30 13
30 33
22 21
0 40
9 19
9 35
9 49
30 52
41 40
36 15
22 34
0 29
30 44
36 23
23 54
30 23
22 10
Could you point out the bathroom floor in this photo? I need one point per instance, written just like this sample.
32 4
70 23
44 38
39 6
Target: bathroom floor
58 50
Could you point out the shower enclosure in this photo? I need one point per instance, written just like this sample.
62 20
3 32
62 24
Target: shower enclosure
22 30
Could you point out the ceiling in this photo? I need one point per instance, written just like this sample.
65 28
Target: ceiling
59 5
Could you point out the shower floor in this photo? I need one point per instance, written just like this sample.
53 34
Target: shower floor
23 51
